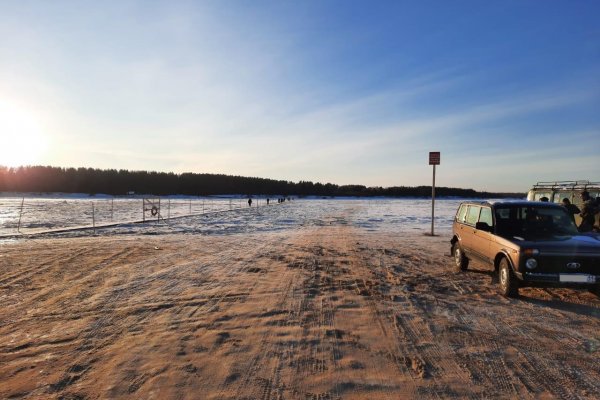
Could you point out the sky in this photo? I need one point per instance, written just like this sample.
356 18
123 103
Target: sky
347 92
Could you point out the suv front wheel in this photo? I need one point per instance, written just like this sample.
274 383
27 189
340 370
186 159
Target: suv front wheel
509 285
460 261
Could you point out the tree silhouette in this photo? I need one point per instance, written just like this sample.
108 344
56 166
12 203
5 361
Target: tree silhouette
120 182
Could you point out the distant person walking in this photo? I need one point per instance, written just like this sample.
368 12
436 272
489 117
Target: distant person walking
588 212
249 202
572 209
267 201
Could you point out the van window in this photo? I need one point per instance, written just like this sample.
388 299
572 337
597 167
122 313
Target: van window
577 197
538 195
462 212
559 196
486 216
473 215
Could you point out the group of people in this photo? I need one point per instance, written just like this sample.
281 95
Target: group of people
279 200
588 211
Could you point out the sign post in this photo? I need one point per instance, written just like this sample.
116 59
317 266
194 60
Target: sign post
434 159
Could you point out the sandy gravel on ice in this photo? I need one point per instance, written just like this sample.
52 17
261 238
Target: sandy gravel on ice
318 312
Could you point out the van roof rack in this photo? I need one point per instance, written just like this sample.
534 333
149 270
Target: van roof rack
557 185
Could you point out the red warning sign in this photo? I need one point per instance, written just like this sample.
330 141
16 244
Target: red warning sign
434 158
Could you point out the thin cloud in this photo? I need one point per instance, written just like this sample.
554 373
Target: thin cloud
252 91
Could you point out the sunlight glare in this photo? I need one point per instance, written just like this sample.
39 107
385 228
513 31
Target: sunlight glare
22 138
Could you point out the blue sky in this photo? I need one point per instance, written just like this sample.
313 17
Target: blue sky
329 91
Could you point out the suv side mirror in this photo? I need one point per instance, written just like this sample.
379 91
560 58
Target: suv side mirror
483 226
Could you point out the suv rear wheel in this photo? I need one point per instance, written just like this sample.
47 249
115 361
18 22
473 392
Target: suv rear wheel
460 261
509 285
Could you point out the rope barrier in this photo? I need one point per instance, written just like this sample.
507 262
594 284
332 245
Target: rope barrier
207 209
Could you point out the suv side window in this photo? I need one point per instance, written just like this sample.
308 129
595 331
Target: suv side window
486 216
473 215
462 212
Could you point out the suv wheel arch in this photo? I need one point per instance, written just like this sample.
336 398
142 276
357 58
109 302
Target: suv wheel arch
497 260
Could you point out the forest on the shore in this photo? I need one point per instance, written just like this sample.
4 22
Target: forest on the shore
46 179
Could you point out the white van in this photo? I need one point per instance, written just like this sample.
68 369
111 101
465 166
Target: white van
557 191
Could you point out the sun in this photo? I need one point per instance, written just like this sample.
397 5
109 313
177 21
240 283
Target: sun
22 139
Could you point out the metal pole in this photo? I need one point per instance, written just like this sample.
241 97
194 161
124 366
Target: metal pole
190 206
158 213
144 210
93 217
112 206
202 206
169 210
433 201
20 215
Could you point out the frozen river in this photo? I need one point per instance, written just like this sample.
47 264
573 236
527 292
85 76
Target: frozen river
217 215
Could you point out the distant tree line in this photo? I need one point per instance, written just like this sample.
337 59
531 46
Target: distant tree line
121 182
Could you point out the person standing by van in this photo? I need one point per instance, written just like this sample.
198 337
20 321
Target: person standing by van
597 226
588 212
571 208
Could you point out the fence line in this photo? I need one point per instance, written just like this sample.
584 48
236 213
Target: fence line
53 215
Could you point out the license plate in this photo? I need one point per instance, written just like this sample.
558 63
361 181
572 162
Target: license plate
578 278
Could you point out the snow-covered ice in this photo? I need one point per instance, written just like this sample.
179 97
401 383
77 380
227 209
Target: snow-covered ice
220 215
